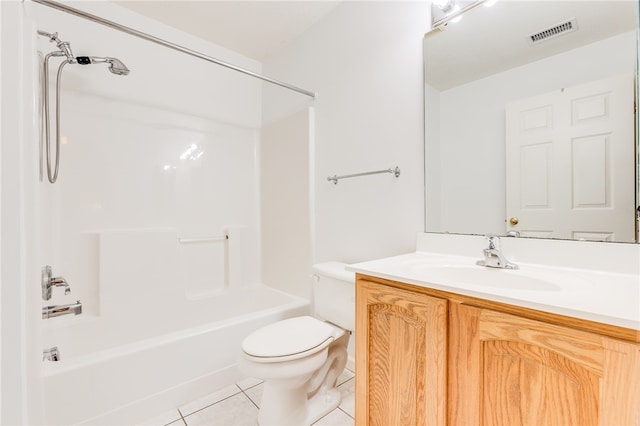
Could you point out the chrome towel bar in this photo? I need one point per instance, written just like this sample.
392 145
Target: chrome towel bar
335 178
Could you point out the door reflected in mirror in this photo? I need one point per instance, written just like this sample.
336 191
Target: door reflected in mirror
530 121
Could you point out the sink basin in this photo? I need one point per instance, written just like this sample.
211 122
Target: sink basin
473 275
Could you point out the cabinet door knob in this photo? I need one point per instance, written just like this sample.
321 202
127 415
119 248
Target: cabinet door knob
514 221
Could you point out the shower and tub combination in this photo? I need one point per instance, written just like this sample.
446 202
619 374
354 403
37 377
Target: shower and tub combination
152 218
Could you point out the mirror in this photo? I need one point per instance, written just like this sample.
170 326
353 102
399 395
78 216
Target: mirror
533 138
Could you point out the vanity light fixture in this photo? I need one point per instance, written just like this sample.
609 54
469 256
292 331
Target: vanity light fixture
449 8
442 4
445 11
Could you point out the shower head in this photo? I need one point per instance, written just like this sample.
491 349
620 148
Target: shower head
115 65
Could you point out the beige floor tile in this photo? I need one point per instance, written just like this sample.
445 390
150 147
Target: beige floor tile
335 418
249 382
205 401
345 376
231 406
171 417
255 393
237 410
348 403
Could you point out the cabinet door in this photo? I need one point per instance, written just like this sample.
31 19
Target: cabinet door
400 357
507 370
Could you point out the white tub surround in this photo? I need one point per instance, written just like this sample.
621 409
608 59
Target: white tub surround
154 221
593 281
126 383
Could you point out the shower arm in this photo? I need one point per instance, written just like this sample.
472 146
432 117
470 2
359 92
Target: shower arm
64 46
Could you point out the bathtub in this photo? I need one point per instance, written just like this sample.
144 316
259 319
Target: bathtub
98 381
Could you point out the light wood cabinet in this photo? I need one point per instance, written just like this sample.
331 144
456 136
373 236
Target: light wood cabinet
401 349
508 370
502 365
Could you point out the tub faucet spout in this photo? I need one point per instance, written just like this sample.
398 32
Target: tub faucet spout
51 354
493 257
59 310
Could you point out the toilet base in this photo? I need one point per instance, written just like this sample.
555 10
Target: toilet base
322 404
307 413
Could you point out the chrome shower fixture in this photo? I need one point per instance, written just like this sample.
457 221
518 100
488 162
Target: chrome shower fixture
115 65
65 47
64 50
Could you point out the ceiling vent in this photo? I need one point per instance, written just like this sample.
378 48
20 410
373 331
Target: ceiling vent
554 31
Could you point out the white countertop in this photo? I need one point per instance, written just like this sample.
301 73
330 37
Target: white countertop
605 297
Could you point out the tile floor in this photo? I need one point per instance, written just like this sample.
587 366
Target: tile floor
237 405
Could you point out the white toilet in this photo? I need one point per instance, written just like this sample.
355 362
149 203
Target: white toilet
300 358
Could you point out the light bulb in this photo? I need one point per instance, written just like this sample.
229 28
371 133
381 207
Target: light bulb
442 4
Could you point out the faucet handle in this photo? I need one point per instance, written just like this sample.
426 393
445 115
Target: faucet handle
48 281
61 282
494 241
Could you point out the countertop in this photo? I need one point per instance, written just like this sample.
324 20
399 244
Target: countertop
604 297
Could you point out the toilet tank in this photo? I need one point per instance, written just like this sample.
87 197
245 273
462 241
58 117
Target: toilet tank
334 294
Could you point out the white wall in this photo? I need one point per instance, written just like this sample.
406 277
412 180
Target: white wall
285 163
365 62
471 126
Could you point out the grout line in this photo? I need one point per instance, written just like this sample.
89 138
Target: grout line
346 381
248 397
182 417
210 405
345 412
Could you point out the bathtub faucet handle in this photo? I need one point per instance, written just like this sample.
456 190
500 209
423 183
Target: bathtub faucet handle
49 281
61 282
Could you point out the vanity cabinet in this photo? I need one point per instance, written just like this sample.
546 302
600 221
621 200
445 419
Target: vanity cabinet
426 356
400 357
508 370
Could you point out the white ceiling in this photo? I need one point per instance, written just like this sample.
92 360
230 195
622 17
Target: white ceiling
489 40
256 29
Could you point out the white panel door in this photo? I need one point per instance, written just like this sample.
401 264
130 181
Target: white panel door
570 162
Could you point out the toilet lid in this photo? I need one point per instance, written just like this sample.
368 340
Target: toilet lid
287 337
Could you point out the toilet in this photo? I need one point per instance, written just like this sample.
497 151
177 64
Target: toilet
300 358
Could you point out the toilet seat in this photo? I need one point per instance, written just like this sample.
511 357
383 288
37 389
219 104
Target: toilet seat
289 339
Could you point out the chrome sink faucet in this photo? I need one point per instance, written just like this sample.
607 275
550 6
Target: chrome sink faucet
493 257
